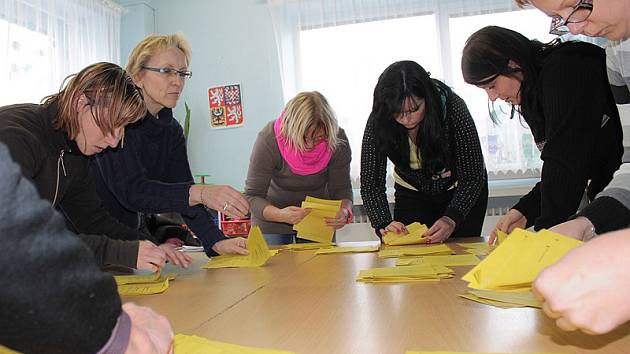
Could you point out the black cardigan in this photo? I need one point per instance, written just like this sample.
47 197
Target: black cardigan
574 120
45 154
465 163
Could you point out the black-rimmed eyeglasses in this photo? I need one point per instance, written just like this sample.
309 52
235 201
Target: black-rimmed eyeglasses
581 11
170 71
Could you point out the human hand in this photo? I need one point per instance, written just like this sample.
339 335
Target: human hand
507 223
150 256
338 221
151 333
293 215
176 257
395 227
237 245
440 230
225 199
579 228
588 288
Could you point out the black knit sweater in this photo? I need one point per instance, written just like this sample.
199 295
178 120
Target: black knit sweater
574 120
465 163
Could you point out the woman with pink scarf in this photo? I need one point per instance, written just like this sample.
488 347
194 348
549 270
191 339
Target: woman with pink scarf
302 153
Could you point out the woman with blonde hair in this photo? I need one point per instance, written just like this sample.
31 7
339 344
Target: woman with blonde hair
302 153
52 142
150 173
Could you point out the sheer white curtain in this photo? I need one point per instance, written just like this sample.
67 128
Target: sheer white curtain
339 47
43 41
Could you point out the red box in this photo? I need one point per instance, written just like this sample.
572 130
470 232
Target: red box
238 227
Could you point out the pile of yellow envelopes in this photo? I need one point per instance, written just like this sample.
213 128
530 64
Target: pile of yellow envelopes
143 284
415 251
422 272
361 249
414 236
513 266
313 227
259 254
445 260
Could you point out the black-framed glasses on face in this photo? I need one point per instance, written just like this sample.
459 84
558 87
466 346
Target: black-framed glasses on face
581 11
184 74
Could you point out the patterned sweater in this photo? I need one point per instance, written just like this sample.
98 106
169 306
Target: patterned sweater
465 163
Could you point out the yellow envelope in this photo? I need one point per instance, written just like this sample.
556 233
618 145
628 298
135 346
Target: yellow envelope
448 260
347 250
516 262
503 299
258 255
403 274
501 236
183 344
308 246
416 251
313 227
416 235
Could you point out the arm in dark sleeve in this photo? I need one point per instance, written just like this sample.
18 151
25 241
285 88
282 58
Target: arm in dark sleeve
471 172
109 251
373 174
262 162
83 209
339 183
529 205
48 262
573 113
125 176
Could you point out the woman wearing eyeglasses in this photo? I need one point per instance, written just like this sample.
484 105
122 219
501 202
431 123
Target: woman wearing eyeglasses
561 91
150 173
425 129
302 153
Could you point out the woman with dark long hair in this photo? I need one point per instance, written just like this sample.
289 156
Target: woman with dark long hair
562 92
425 129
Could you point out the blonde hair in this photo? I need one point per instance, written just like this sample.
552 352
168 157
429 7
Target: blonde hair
106 87
308 111
151 45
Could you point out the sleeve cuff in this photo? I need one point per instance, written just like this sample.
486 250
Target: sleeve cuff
606 214
454 214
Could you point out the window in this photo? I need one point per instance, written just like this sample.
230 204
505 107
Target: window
343 63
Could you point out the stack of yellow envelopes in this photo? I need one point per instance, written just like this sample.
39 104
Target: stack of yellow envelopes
503 299
415 236
416 251
183 344
347 250
308 246
259 254
143 284
447 260
422 272
313 227
516 262
477 248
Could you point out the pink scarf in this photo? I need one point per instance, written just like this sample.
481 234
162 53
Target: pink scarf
302 163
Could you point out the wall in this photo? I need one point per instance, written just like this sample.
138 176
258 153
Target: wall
232 42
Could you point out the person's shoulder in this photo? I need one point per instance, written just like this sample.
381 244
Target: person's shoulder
574 53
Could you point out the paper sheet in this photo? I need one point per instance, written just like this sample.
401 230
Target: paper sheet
183 344
415 236
313 227
309 246
516 262
259 254
143 284
503 299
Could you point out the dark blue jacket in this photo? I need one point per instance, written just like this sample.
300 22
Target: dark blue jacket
149 173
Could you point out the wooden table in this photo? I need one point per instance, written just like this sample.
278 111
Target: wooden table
311 304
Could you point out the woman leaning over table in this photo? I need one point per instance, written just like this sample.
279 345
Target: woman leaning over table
150 173
425 129
52 142
563 95
302 153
